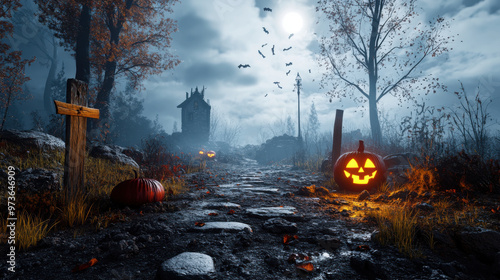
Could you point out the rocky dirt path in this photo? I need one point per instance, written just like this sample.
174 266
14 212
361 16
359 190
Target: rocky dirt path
231 224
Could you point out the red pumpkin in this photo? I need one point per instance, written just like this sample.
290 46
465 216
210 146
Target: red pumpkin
138 191
359 170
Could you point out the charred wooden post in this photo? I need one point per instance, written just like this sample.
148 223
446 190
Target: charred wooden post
337 136
76 129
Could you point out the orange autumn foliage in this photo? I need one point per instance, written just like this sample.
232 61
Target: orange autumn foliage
305 266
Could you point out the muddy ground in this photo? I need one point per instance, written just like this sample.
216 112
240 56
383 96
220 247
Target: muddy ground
326 238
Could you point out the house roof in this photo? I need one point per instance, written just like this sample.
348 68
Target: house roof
196 95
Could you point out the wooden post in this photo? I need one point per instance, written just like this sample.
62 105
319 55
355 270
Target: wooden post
76 129
337 136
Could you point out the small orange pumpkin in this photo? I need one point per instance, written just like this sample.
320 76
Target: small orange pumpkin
135 192
359 170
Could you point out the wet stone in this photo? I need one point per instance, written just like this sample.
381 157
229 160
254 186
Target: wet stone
279 225
272 212
224 226
220 205
187 266
263 190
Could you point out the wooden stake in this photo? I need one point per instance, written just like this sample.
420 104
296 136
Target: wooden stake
337 136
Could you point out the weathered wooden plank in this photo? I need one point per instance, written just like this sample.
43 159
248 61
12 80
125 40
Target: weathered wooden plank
76 129
337 136
75 110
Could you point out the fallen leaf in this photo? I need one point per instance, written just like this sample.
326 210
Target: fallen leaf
84 266
287 238
230 212
213 214
208 192
199 224
308 267
363 248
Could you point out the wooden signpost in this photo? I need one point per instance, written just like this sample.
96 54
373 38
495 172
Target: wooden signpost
76 129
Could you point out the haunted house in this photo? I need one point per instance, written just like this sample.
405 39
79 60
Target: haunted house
195 117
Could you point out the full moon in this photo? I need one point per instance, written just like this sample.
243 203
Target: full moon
292 22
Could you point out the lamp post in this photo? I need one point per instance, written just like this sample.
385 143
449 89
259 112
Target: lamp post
298 79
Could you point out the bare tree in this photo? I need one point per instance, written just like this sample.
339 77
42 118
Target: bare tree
374 49
472 119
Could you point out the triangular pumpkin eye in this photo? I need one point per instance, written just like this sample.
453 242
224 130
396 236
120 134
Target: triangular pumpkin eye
352 164
369 163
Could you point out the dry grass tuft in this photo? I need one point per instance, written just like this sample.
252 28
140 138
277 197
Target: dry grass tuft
30 229
397 225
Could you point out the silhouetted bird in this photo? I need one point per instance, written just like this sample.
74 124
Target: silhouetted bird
288 72
288 64
265 30
287 49
263 45
244 66
265 95
268 10
290 36
309 70
278 84
272 49
262 55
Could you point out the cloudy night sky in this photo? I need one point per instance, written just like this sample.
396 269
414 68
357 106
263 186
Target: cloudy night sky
214 37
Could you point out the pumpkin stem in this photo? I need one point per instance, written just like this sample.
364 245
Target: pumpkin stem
361 148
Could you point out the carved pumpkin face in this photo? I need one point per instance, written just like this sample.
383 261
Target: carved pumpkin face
360 175
211 154
359 170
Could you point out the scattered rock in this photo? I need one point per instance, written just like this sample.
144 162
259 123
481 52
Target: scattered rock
187 266
483 243
220 205
279 225
112 153
424 207
364 195
38 181
32 139
364 264
312 190
272 212
328 242
224 226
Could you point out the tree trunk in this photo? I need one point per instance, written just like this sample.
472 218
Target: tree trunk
373 76
82 46
103 98
47 93
6 109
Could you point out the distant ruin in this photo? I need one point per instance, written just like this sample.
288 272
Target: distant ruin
195 118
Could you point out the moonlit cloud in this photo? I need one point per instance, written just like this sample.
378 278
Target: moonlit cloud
216 36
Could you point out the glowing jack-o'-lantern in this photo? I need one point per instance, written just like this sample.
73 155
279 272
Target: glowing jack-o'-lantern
359 170
211 154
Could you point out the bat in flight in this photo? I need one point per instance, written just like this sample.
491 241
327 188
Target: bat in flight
288 64
243 65
268 10
288 72
309 70
290 36
261 54
272 49
263 45
265 95
287 49
278 84
265 30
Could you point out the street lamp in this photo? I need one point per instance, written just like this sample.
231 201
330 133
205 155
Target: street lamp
298 79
